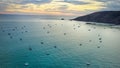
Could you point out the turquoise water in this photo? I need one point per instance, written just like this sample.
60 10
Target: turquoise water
58 44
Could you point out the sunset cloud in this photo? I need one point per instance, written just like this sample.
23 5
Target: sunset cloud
57 7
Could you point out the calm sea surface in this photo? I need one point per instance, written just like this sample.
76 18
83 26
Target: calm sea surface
46 43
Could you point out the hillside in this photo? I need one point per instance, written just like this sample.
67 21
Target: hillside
111 17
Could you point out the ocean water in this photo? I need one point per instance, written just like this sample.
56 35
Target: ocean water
50 43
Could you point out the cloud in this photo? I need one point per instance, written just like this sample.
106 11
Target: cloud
75 2
54 7
2 6
36 1
110 5
26 1
66 7
11 1
103 0
63 7
113 5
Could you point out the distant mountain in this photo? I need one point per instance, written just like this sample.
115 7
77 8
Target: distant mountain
111 17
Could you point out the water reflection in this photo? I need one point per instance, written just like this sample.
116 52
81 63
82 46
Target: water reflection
66 44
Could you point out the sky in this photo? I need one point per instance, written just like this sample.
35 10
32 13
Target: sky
57 7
